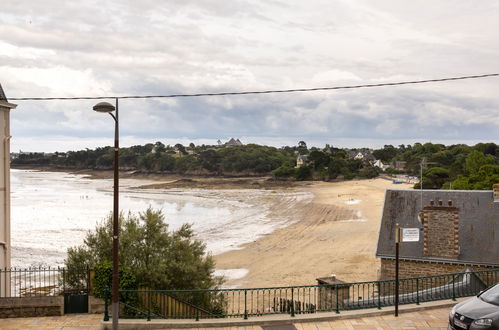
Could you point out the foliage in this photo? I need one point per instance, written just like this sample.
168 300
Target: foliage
286 170
154 256
475 160
434 178
303 173
104 277
456 166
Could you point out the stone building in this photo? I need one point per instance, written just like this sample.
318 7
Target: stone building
458 231
332 293
5 108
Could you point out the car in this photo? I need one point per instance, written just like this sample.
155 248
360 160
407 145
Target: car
479 312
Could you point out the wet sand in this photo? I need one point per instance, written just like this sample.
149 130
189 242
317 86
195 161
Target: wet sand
336 233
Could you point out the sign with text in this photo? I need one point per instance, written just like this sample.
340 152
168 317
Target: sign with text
410 234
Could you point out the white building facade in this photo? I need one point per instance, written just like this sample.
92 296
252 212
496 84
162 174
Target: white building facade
5 248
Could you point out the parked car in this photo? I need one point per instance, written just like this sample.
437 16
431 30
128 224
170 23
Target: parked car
480 312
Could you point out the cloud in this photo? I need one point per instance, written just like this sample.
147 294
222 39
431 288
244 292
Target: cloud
54 48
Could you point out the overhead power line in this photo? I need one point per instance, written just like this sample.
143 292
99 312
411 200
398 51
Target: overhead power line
295 90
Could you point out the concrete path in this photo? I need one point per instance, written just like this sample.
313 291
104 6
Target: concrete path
434 318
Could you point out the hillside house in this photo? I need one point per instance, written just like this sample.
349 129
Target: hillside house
5 250
361 155
379 164
233 143
398 165
459 230
301 160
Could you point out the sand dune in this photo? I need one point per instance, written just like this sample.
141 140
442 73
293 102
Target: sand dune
336 233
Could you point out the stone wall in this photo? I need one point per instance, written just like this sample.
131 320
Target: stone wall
31 306
330 299
411 268
95 305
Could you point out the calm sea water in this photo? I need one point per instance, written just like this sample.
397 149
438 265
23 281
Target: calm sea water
52 211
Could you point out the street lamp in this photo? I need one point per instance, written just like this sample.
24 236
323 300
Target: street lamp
108 108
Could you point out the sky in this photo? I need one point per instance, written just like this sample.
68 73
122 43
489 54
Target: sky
51 48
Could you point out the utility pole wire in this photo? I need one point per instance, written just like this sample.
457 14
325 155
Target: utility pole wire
411 82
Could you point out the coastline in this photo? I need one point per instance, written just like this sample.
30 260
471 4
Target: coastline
333 233
168 180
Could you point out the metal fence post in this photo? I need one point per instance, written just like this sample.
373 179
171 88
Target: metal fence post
149 306
64 280
106 305
454 287
417 291
245 304
337 299
379 295
292 302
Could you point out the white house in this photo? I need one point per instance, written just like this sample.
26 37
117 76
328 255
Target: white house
5 251
301 160
378 163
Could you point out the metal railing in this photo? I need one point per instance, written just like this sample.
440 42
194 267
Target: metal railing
253 302
294 300
38 282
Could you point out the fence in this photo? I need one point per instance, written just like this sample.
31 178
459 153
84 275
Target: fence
42 282
294 300
244 303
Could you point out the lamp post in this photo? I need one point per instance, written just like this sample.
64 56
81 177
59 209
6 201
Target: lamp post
109 108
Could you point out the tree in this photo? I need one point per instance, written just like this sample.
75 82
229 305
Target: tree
181 148
156 257
286 170
475 160
319 159
159 147
303 173
386 154
434 178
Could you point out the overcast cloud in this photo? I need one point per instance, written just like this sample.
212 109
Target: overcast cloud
96 48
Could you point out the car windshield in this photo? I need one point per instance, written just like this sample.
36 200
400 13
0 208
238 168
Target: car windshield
491 295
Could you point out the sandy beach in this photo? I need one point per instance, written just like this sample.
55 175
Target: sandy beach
336 233
333 230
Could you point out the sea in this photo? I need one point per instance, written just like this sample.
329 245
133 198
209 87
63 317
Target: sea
52 211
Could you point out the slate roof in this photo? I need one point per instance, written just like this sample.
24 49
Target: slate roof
302 157
233 142
2 95
478 224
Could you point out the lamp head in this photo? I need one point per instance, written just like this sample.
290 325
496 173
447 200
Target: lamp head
104 107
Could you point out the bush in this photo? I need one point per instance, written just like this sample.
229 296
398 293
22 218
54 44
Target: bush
153 256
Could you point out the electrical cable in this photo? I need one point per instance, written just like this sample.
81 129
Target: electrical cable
412 82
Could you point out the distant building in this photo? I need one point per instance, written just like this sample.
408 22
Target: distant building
459 230
379 164
301 160
361 155
5 250
398 165
233 142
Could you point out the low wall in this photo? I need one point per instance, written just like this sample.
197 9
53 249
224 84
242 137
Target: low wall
414 268
95 305
31 306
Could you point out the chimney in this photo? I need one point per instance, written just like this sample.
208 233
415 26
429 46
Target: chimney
441 230
495 189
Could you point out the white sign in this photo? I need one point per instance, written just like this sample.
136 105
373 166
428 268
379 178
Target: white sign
410 234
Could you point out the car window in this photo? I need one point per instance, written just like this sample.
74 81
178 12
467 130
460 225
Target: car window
491 295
